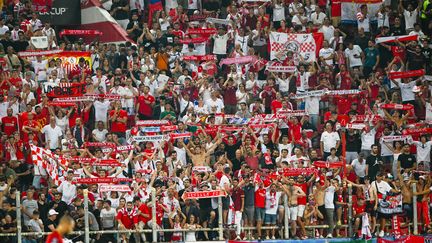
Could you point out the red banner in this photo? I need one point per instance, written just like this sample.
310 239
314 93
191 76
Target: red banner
237 60
325 164
417 131
168 128
398 106
103 162
99 144
180 135
200 58
104 96
407 74
61 104
80 32
396 226
124 148
194 40
203 194
298 171
201 31
66 90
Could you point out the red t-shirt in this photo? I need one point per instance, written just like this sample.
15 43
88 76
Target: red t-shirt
343 105
296 131
359 209
275 105
54 237
9 124
126 218
117 126
260 198
398 51
145 109
32 124
145 210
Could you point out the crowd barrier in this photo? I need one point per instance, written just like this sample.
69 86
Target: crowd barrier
220 229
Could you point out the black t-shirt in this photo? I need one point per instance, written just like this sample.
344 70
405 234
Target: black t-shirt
353 143
48 223
407 160
415 61
25 179
395 31
362 42
137 31
236 163
375 164
205 203
231 149
249 193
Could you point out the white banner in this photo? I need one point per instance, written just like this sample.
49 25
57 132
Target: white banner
117 188
299 44
218 21
155 138
312 93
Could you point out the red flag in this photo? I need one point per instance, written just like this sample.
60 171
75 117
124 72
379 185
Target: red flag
407 74
319 39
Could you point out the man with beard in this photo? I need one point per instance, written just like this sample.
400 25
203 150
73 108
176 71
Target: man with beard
127 219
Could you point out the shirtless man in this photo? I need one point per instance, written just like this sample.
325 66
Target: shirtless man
318 192
407 195
198 156
293 192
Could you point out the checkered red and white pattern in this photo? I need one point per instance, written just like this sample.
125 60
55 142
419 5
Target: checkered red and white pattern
306 43
47 160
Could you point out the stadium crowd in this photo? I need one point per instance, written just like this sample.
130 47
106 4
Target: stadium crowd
163 119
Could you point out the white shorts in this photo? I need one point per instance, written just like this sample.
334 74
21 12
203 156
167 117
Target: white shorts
301 209
293 211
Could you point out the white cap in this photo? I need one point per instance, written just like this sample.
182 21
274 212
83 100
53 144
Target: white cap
52 212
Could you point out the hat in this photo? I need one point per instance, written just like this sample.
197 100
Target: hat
329 174
406 178
422 177
203 184
52 212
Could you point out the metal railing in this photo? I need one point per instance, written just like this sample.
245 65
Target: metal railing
220 229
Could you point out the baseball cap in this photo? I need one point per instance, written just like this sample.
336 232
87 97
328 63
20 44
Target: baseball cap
52 212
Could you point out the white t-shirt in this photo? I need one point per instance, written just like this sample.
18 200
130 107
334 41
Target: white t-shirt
329 197
364 24
52 135
326 53
312 105
406 90
368 139
359 168
220 44
3 29
40 69
102 83
317 19
243 42
224 181
101 110
410 18
278 12
328 32
428 111
297 20
383 187
272 201
354 56
329 140
218 103
100 135
68 191
304 81
108 218
423 151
